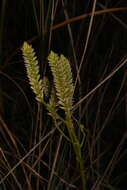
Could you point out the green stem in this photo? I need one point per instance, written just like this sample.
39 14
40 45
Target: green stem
77 147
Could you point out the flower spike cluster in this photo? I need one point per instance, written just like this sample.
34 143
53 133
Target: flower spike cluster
62 74
32 69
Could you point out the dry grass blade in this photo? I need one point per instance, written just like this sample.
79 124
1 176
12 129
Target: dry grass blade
6 128
99 12
54 162
9 167
29 152
101 83
84 16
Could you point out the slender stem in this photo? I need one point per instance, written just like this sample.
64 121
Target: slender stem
77 147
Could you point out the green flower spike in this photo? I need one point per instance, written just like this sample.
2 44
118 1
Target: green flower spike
32 69
62 74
